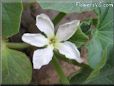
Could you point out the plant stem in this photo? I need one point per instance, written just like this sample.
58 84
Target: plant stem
59 71
17 45
58 18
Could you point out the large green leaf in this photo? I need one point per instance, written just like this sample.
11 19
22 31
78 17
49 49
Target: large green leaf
11 16
102 36
16 67
99 66
105 75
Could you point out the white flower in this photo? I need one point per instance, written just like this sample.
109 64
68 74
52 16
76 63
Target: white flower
52 41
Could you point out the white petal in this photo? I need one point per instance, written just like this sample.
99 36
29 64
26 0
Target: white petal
70 51
45 25
37 40
42 57
66 30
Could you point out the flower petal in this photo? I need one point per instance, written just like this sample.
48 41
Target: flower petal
37 40
45 25
66 30
42 57
70 51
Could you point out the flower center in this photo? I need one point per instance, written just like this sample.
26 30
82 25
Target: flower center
53 41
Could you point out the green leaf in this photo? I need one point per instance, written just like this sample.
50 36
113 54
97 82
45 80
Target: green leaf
105 75
99 66
11 16
102 36
16 67
111 55
79 38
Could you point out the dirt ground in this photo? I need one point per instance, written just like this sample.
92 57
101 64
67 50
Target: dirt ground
47 75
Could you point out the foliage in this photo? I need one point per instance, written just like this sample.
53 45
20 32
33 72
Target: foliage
11 16
102 36
16 67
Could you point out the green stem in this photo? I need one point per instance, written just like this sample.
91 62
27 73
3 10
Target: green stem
58 18
59 71
17 45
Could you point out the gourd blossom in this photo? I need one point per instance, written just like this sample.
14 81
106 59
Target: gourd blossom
52 40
